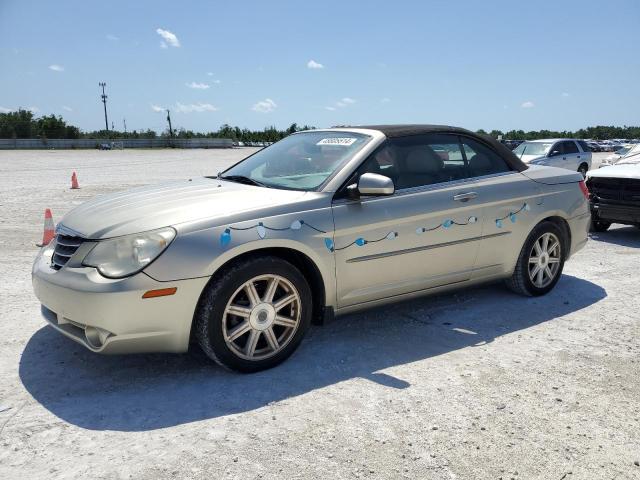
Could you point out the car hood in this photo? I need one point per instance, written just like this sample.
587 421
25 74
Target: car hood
151 207
528 158
628 170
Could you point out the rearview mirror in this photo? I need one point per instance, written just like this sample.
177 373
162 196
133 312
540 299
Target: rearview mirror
374 184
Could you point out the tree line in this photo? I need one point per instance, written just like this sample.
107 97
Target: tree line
599 132
24 124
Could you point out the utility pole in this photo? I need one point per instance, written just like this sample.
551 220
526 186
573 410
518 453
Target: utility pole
104 100
169 120
124 120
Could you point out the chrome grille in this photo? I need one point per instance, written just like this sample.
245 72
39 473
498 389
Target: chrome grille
66 246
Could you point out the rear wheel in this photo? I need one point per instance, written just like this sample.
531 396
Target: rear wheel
254 315
583 169
598 226
540 262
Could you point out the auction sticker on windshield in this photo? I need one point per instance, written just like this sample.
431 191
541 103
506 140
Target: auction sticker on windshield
342 141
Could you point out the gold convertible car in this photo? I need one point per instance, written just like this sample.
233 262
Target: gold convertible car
321 223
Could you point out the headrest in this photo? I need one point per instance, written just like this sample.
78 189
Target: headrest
423 161
480 164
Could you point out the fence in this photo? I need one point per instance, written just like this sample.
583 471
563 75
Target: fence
37 143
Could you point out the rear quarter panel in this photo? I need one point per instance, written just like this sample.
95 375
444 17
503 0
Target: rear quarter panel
561 198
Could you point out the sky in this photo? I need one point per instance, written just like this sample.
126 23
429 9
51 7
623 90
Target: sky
492 65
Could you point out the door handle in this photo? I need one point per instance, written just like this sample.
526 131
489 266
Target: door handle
465 197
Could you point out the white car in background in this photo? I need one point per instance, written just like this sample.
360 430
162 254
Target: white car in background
618 154
556 152
614 192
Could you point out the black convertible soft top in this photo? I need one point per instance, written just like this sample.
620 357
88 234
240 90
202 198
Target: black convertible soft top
392 131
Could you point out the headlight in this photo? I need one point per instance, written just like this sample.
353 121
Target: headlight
123 256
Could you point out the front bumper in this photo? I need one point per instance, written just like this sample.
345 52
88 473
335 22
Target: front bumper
110 316
615 213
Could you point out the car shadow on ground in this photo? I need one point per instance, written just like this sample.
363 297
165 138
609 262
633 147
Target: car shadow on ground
624 236
146 392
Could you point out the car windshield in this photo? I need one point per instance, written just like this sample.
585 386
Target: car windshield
623 151
302 161
632 156
532 148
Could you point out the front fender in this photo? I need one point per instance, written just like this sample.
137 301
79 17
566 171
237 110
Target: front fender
202 253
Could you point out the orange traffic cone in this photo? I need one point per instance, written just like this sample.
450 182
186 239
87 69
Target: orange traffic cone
74 181
49 229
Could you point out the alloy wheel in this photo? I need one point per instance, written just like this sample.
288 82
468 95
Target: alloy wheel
544 260
261 317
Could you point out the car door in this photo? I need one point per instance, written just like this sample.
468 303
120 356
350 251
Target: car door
420 237
571 155
505 197
556 157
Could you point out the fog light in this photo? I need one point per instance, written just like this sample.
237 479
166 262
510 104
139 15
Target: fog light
96 336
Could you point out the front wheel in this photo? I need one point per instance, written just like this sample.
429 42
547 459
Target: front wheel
583 169
254 315
540 262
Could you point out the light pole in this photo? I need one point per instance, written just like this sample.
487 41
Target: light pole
104 101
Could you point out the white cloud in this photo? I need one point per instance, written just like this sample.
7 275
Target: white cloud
313 65
565 94
68 109
33 109
168 38
197 86
157 108
215 82
345 102
5 109
385 100
195 107
264 106
113 38
528 104
56 68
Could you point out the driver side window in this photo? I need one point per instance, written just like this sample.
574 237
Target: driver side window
418 160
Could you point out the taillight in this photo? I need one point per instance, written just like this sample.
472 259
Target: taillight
585 190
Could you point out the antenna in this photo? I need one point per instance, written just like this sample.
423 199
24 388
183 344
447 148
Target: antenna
124 120
104 100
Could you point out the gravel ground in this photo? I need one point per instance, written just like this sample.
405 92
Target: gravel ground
474 385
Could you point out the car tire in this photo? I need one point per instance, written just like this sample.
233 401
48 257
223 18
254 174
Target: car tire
525 278
583 169
598 226
239 327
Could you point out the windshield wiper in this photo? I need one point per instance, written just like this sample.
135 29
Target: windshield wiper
242 179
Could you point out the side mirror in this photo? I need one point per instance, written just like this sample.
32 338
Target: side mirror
554 153
374 184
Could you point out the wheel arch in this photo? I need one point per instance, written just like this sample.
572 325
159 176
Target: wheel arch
300 260
563 225
554 217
